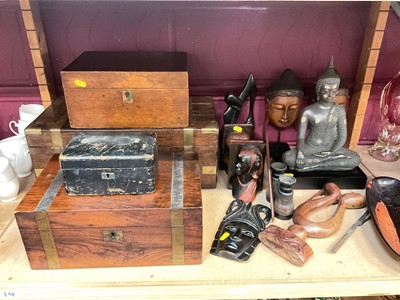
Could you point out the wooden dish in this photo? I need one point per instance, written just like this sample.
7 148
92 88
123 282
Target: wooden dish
383 200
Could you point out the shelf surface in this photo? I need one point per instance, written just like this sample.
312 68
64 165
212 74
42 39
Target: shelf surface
364 266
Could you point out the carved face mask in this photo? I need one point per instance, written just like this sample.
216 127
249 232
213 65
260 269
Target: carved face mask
283 110
283 97
237 235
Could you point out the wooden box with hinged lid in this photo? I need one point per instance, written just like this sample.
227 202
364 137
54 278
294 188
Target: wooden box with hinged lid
127 90
162 228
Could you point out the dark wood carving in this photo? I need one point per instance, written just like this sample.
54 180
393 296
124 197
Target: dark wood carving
239 175
383 200
237 235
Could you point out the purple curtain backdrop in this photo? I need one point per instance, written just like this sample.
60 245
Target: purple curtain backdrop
225 41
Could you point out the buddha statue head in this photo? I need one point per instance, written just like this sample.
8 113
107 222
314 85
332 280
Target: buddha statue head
237 235
327 84
284 97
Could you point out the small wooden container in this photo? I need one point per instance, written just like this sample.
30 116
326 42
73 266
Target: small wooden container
111 163
162 228
127 90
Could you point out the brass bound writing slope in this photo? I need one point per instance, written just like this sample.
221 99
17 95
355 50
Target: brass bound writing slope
162 228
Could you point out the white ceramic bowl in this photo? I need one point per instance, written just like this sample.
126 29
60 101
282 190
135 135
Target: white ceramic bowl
9 190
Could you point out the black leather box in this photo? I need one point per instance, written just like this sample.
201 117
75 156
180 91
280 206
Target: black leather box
110 163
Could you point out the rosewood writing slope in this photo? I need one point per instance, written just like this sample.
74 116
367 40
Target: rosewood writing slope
162 228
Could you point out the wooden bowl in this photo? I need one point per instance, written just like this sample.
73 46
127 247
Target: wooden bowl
383 200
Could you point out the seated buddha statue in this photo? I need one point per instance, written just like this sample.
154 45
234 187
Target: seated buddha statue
322 148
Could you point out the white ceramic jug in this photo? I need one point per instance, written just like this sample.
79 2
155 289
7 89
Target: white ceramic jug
9 183
16 149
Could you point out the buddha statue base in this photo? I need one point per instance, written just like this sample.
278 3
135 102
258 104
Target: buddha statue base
276 150
353 179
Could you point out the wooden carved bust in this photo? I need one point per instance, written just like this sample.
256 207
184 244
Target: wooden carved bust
284 97
248 169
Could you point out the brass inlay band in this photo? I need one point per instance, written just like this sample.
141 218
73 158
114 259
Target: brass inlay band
56 131
209 170
211 129
178 236
33 131
56 137
47 238
188 137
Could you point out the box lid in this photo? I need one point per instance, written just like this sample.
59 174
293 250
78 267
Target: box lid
110 150
129 61
177 195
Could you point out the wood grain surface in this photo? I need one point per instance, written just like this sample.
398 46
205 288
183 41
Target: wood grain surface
95 85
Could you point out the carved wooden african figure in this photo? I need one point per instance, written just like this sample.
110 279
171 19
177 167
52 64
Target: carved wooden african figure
248 169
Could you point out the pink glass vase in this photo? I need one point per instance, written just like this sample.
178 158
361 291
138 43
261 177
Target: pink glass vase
387 147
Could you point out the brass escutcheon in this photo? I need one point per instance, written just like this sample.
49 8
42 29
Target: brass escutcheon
112 236
127 96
